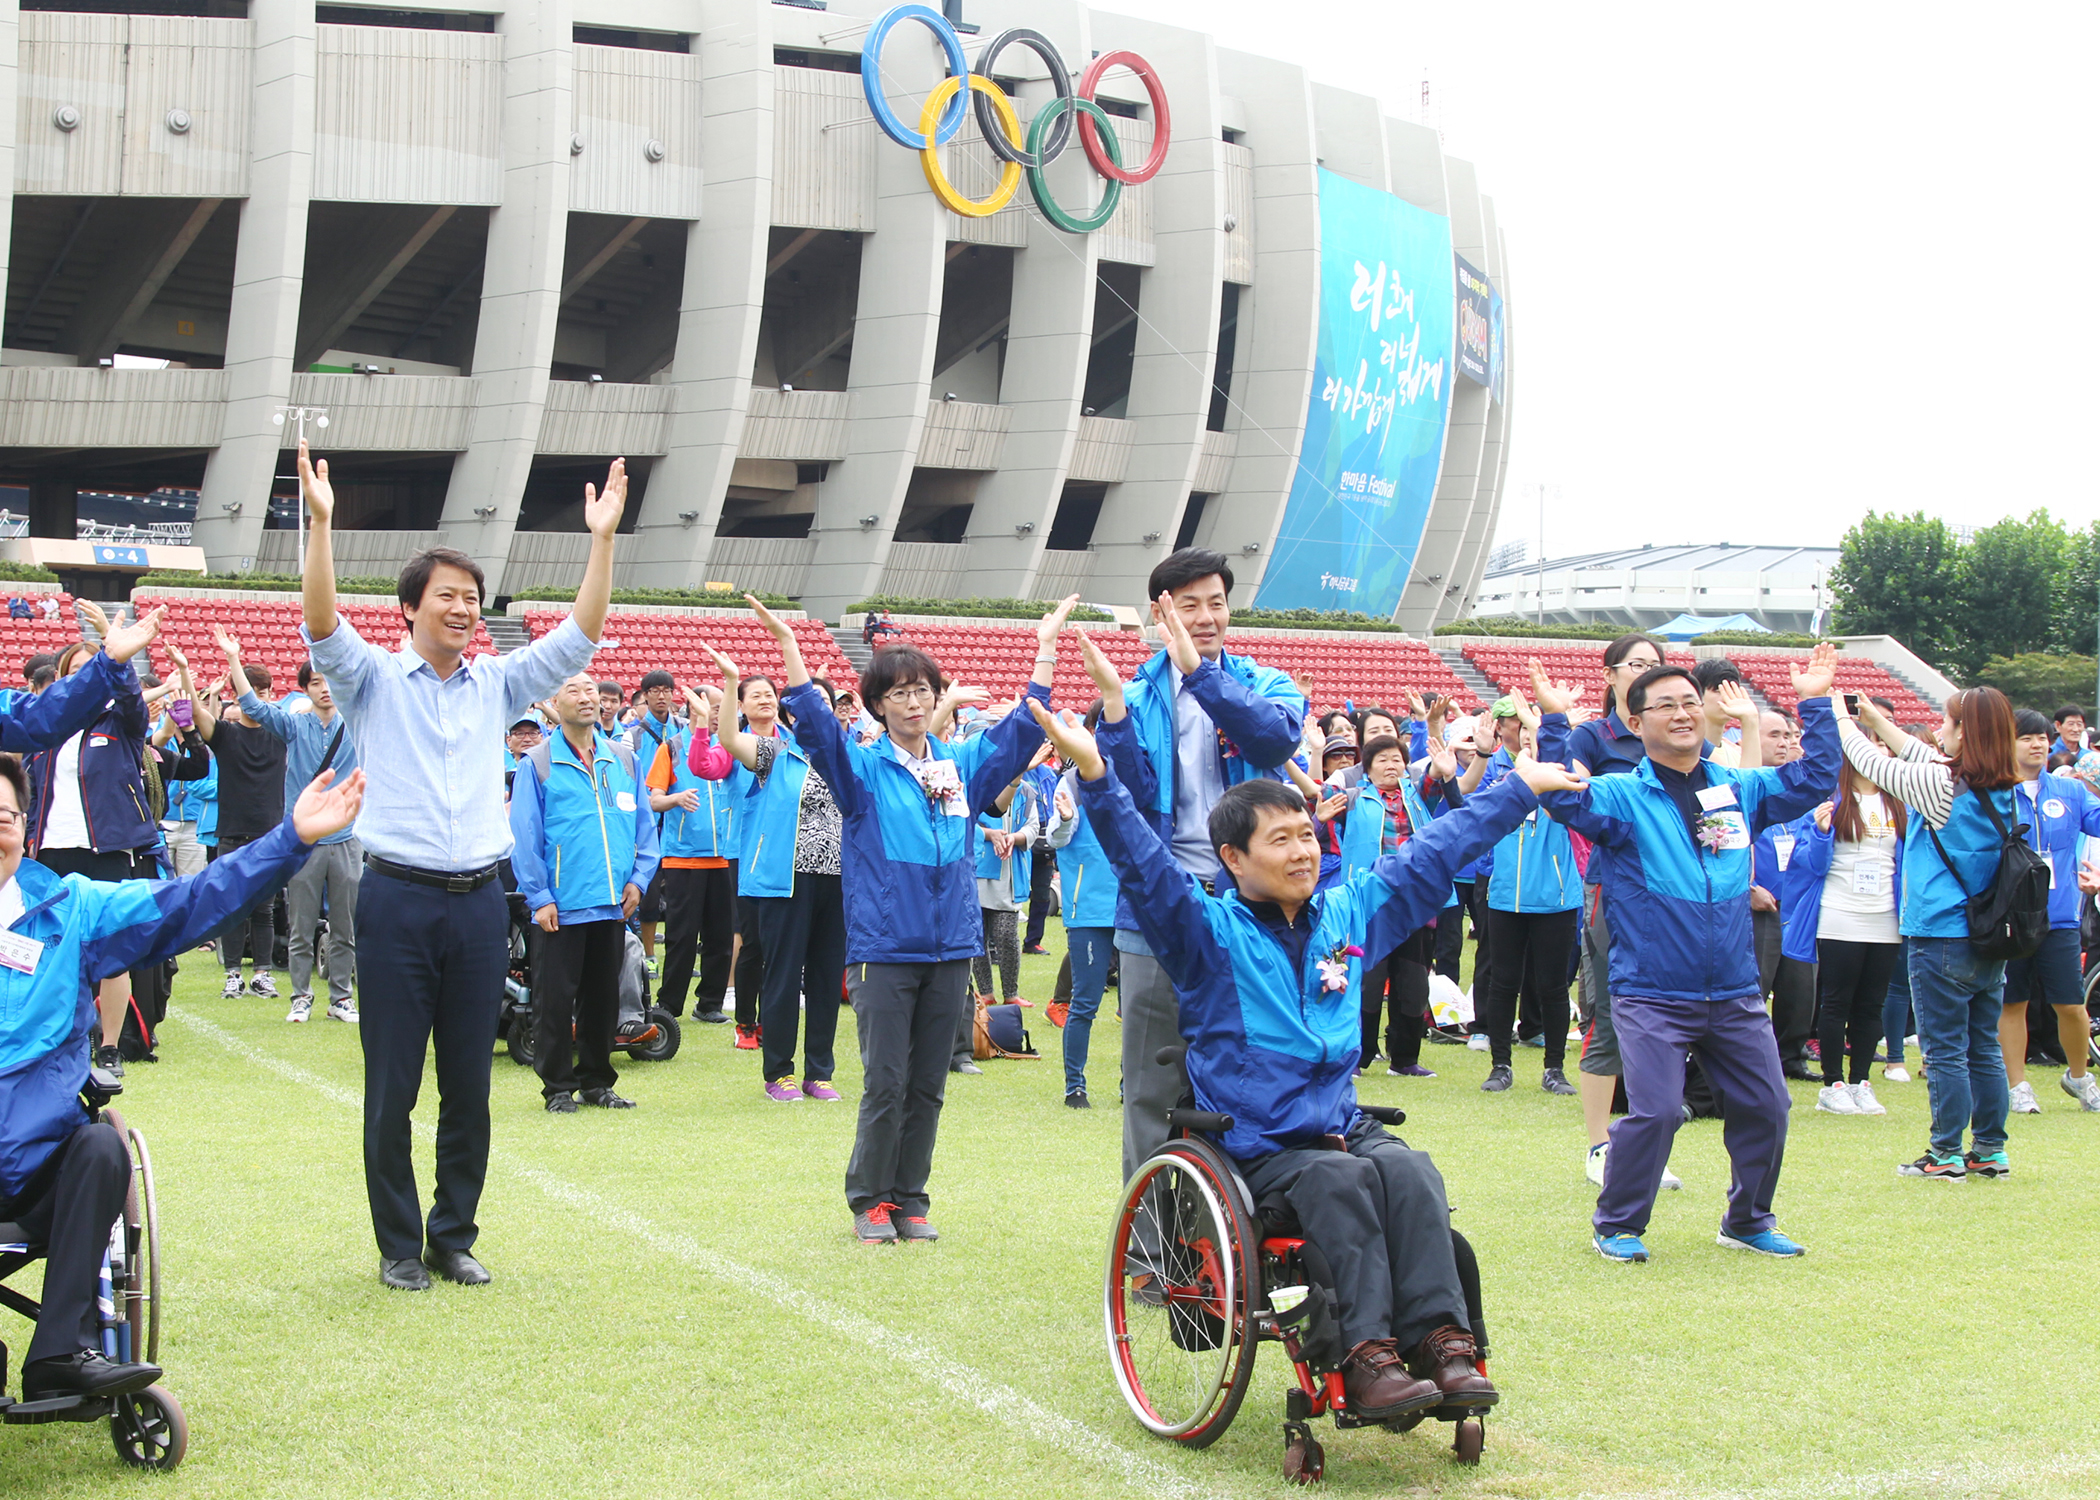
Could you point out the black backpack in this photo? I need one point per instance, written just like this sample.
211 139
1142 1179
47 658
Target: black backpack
2010 918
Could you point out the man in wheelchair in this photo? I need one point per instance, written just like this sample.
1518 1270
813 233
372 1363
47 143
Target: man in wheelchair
63 1174
1266 976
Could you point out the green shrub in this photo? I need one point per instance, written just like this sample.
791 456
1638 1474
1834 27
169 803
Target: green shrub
686 598
19 572
1517 625
970 609
275 583
1755 638
2040 680
1310 619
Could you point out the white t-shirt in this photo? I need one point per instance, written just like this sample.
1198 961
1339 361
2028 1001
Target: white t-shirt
1859 892
66 828
11 903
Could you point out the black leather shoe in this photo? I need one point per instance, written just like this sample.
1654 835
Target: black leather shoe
606 1099
561 1104
84 1374
711 1017
1800 1073
457 1265
403 1275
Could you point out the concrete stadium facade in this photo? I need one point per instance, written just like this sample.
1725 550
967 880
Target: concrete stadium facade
501 247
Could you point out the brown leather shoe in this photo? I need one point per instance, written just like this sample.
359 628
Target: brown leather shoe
1379 1386
1446 1358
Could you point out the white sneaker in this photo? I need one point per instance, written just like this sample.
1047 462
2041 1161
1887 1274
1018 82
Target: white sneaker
1478 1042
302 1008
344 1009
263 985
1836 1099
1594 1167
1671 1182
1863 1099
2085 1090
234 988
2023 1101
1896 1073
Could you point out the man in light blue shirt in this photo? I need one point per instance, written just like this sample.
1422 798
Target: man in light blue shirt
315 740
435 833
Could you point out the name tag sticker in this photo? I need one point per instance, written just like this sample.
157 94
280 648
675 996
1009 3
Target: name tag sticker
1783 846
1714 797
1738 834
624 801
1869 880
19 953
2053 807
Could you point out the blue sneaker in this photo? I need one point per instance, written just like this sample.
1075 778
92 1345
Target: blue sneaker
1770 1242
1624 1248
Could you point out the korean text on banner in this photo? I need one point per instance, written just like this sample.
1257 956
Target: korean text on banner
1381 394
1475 321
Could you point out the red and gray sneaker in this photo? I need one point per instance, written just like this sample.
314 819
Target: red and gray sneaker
915 1227
747 1039
872 1226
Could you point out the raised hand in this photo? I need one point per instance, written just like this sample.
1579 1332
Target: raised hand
1733 702
1314 738
1108 682
315 488
959 696
1484 736
1814 680
1180 645
1303 682
1066 811
1526 714
1416 707
176 659
602 508
1441 758
1552 697
1544 776
1436 715
771 621
728 669
1072 739
1823 817
229 644
328 806
1330 806
126 641
1046 630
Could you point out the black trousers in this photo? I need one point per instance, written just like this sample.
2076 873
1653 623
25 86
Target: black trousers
1041 876
699 916
1379 1215
906 1015
257 932
750 959
1792 986
1400 982
576 989
68 1207
432 966
1852 984
1531 954
805 938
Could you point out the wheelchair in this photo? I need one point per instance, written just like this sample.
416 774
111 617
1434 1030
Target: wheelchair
647 1031
147 1427
1199 1277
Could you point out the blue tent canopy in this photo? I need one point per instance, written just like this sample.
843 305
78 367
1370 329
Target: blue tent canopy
1685 627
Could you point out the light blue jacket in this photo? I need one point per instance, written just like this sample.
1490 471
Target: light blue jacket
1935 900
584 832
1533 869
306 741
910 879
2058 815
1679 913
769 820
1086 880
1018 867
1270 1044
92 930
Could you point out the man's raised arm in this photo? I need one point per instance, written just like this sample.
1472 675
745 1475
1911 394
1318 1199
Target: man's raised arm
317 584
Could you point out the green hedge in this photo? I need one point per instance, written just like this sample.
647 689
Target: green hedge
688 598
1519 626
17 572
1755 638
970 609
275 583
1311 619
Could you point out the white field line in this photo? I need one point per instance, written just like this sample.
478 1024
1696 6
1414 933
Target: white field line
1026 1415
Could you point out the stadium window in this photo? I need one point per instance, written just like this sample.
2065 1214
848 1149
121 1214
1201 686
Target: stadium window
1191 518
823 62
413 20
644 41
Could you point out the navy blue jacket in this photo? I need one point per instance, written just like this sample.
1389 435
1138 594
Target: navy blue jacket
103 699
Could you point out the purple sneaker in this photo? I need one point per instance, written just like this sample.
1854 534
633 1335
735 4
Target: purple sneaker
1412 1070
783 1091
820 1090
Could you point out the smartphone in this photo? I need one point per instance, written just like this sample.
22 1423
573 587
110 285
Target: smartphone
1852 704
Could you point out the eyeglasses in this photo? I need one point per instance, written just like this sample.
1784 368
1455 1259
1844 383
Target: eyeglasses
1636 665
1670 705
9 818
904 696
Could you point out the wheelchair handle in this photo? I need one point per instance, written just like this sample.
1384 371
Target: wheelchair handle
1208 1122
1171 1056
1384 1114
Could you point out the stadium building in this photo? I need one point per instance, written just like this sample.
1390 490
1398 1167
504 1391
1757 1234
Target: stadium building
1641 588
497 247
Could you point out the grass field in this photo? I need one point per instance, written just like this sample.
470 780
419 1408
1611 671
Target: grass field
679 1308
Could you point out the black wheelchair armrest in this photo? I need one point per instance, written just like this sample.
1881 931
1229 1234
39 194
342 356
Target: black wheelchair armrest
1384 1114
101 1087
1171 1055
1207 1122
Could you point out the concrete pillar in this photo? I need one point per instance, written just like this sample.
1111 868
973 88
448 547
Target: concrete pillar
10 31
269 266
1179 300
718 317
1280 313
1047 344
520 286
894 332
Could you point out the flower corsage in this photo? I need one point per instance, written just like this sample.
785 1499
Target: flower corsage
1713 832
1334 968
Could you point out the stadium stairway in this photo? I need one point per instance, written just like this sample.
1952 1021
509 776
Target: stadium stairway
1469 674
507 632
856 650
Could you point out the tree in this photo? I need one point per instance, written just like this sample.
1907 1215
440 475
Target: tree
2078 601
2009 582
2040 680
1896 576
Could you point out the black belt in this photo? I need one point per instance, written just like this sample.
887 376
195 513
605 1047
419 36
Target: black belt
457 882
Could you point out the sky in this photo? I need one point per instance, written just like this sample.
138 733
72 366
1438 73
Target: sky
1770 267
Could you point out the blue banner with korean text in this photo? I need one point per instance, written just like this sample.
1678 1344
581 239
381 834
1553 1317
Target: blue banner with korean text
1475 318
1381 394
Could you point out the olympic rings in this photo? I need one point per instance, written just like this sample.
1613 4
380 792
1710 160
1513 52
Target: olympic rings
1060 82
871 74
1062 110
1048 134
1162 127
930 157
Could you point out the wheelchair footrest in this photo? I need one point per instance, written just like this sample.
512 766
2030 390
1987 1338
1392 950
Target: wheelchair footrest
55 1409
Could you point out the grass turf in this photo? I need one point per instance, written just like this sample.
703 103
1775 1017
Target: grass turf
678 1304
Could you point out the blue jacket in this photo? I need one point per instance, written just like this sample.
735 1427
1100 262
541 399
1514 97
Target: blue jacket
1260 718
769 820
112 752
1935 900
306 741
40 721
1800 889
2060 813
1605 746
198 802
1270 1044
584 833
1017 868
1533 868
909 876
1680 913
709 830
1086 880
91 930
1363 832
